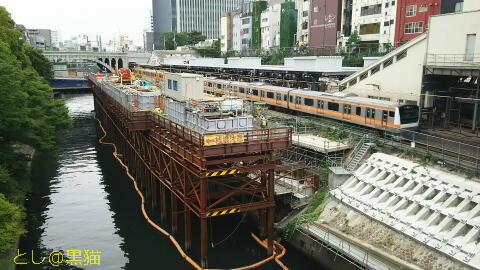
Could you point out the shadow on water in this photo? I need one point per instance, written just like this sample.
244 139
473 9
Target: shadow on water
83 200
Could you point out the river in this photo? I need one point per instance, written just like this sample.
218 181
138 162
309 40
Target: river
82 202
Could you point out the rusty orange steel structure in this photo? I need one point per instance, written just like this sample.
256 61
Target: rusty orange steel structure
208 180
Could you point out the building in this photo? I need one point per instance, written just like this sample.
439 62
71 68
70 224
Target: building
226 32
270 26
345 22
325 22
242 27
40 38
189 15
373 20
451 6
119 44
412 18
148 41
303 21
288 24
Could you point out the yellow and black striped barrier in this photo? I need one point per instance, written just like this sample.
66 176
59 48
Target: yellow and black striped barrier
222 172
223 212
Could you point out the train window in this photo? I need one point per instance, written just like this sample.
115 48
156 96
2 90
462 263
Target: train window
391 114
169 84
262 93
373 113
269 95
332 106
385 116
291 98
210 84
219 86
349 109
235 89
368 112
409 114
298 100
359 111
241 90
279 96
175 85
284 97
308 102
321 103
255 92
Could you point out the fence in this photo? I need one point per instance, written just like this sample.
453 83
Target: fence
441 151
453 60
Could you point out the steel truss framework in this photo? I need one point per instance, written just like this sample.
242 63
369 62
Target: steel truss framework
164 156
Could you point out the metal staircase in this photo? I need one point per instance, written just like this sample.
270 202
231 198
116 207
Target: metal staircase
358 153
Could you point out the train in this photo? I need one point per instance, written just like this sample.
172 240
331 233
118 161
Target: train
341 106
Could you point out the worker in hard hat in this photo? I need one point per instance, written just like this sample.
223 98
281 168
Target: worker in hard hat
263 123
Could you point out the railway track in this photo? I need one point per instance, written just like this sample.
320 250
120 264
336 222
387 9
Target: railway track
439 151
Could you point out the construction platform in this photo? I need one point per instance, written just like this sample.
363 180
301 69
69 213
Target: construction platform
211 174
319 144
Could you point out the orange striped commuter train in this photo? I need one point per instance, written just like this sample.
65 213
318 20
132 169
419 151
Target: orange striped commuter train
373 113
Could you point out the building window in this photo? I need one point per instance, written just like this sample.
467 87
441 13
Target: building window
423 9
169 84
386 4
459 7
371 28
305 13
393 3
315 9
413 28
175 85
370 10
246 21
411 11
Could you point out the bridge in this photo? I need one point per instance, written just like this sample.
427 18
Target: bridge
110 60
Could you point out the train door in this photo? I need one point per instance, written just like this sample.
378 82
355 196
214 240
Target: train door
347 110
370 116
278 98
384 118
298 101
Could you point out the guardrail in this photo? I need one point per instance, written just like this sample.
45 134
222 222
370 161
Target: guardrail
455 60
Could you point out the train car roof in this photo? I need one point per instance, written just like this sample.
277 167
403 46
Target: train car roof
340 96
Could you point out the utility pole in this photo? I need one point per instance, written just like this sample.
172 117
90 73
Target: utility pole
475 110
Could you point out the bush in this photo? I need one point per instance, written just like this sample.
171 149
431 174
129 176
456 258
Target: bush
11 226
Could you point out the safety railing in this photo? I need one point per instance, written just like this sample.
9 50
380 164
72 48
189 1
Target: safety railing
454 60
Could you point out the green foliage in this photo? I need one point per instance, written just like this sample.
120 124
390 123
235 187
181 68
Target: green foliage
312 212
11 226
258 8
288 24
173 39
40 63
29 116
353 40
211 51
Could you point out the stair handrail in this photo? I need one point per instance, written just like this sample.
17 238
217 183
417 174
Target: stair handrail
357 148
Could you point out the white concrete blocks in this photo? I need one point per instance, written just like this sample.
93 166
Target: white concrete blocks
438 209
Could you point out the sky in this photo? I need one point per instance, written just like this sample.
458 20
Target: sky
108 18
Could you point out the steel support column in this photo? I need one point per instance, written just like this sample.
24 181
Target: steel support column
163 202
188 229
173 201
203 223
270 211
475 110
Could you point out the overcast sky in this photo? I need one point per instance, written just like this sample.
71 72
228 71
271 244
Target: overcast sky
107 18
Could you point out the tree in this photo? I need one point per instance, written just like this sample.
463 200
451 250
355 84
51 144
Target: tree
173 39
28 116
210 51
40 63
353 40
